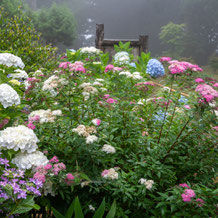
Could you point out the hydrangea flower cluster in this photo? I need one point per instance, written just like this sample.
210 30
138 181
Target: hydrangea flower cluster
75 67
53 82
29 161
90 51
111 67
86 132
18 138
207 92
96 122
155 68
44 116
148 183
8 96
165 59
177 67
135 75
46 173
189 194
87 90
199 80
11 60
108 149
20 74
122 57
110 174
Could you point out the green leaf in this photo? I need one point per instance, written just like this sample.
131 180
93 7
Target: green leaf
24 206
112 212
56 213
100 211
78 209
70 210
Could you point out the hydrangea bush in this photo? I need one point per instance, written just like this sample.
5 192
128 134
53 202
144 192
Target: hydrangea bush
95 129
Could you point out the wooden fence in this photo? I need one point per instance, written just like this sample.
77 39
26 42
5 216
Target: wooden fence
107 45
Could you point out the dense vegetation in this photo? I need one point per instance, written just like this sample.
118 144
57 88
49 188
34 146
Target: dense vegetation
84 137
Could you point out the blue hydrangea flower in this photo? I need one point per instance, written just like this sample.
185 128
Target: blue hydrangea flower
132 64
183 99
155 68
160 116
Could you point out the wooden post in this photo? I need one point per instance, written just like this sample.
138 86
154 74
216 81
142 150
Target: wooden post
99 36
143 41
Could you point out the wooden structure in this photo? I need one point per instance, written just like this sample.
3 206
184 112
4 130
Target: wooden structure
107 45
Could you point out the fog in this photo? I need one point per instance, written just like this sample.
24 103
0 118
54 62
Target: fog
127 19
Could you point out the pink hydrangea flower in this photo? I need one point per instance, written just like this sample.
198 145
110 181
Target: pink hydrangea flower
77 67
215 84
199 80
216 128
64 65
30 125
96 122
116 69
106 96
189 192
109 68
54 160
142 119
186 198
201 202
206 92
111 101
184 185
3 123
105 172
48 166
165 59
69 179
187 107
39 176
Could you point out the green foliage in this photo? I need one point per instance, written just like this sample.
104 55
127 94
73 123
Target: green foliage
75 208
123 47
141 66
57 24
18 36
173 35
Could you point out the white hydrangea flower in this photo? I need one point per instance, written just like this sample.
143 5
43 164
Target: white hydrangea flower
108 149
11 60
141 102
122 57
83 85
20 74
80 130
8 96
126 73
147 183
53 82
46 115
103 89
37 73
86 95
136 75
57 113
90 50
96 83
165 88
20 137
99 80
110 174
91 138
26 161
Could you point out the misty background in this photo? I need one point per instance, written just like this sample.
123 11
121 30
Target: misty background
179 28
